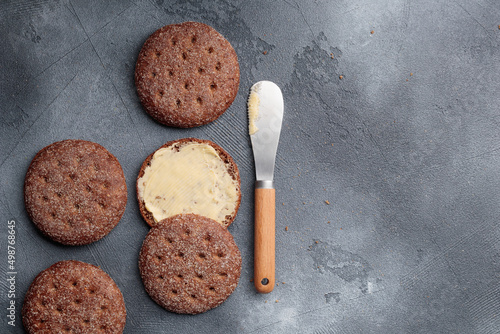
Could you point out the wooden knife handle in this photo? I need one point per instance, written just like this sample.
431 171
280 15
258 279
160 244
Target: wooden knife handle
264 251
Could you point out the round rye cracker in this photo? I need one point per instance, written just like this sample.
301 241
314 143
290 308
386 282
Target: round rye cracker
205 199
75 191
186 75
189 264
73 297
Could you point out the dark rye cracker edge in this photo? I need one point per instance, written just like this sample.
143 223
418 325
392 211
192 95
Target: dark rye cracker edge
186 75
232 169
189 264
75 191
73 296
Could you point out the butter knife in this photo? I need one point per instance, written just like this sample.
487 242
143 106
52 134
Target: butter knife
265 114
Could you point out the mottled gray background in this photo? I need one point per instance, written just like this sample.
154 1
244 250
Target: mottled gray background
405 148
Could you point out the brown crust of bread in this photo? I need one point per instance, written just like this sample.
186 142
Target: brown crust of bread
232 169
189 264
186 75
73 296
75 191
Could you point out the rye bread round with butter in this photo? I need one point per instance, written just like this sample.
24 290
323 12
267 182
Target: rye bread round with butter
75 191
186 75
73 297
232 170
189 264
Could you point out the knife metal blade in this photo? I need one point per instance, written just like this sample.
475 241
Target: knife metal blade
268 120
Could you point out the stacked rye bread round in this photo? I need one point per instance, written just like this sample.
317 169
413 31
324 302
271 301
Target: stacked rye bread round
188 191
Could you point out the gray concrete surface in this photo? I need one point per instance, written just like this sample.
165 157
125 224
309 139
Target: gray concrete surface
387 179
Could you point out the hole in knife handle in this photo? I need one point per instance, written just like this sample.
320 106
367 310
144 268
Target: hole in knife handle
264 281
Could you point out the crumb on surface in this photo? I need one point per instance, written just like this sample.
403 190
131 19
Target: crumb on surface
327 202
341 77
372 32
286 228
265 52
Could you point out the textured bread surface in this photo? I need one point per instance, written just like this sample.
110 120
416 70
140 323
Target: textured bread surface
189 264
75 191
73 297
186 75
232 170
